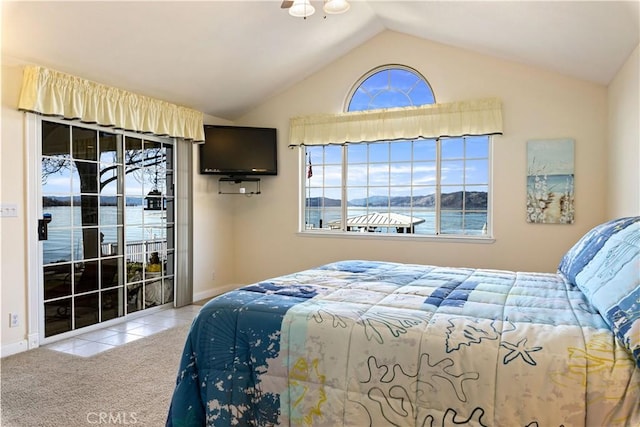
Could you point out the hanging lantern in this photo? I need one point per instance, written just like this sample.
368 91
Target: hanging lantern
154 201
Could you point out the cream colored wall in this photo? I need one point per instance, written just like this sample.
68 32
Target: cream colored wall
623 193
213 232
13 273
536 104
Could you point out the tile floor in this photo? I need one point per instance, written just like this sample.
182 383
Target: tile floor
94 342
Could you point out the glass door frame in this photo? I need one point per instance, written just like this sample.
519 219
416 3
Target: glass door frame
34 209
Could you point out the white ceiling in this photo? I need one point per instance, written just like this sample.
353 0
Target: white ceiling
225 57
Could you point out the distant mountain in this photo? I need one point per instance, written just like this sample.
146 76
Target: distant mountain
473 200
56 201
48 201
372 201
316 202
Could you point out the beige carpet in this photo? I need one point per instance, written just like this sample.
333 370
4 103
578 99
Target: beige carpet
129 385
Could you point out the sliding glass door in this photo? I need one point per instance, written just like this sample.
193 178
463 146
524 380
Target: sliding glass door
107 226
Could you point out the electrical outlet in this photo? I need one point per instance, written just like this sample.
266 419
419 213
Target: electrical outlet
33 342
13 320
213 275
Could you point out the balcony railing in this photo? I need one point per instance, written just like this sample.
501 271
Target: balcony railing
137 251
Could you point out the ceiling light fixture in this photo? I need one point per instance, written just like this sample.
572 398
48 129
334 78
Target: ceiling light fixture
301 9
335 7
304 8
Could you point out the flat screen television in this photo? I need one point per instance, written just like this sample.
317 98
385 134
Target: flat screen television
238 151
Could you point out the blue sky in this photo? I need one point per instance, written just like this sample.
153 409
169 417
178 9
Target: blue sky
387 164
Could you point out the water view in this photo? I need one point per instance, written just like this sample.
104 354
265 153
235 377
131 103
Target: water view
469 223
65 234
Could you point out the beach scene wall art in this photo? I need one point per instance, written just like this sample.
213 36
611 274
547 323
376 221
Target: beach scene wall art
550 181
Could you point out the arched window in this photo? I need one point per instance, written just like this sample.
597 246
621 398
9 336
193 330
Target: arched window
430 187
390 86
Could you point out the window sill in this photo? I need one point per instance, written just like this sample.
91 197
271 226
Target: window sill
405 237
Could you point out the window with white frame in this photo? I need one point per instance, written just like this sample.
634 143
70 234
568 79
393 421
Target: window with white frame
416 186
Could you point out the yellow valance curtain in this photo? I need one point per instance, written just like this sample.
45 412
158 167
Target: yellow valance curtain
53 93
477 117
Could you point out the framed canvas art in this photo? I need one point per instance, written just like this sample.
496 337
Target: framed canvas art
550 181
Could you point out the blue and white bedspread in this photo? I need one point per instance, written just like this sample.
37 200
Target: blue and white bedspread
364 343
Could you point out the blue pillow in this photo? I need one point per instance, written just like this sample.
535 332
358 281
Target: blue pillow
605 265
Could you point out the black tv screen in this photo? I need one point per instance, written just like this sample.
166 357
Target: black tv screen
239 151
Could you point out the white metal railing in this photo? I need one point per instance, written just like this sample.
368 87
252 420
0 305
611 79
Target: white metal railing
138 251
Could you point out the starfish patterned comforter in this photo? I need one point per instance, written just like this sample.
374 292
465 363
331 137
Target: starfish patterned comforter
367 343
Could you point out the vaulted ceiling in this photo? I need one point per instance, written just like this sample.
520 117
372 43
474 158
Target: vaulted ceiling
225 57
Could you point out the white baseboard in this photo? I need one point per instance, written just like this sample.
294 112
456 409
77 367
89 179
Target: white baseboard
14 348
210 293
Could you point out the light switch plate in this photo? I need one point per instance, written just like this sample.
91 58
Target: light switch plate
8 210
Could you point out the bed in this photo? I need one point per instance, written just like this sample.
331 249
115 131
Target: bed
369 343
